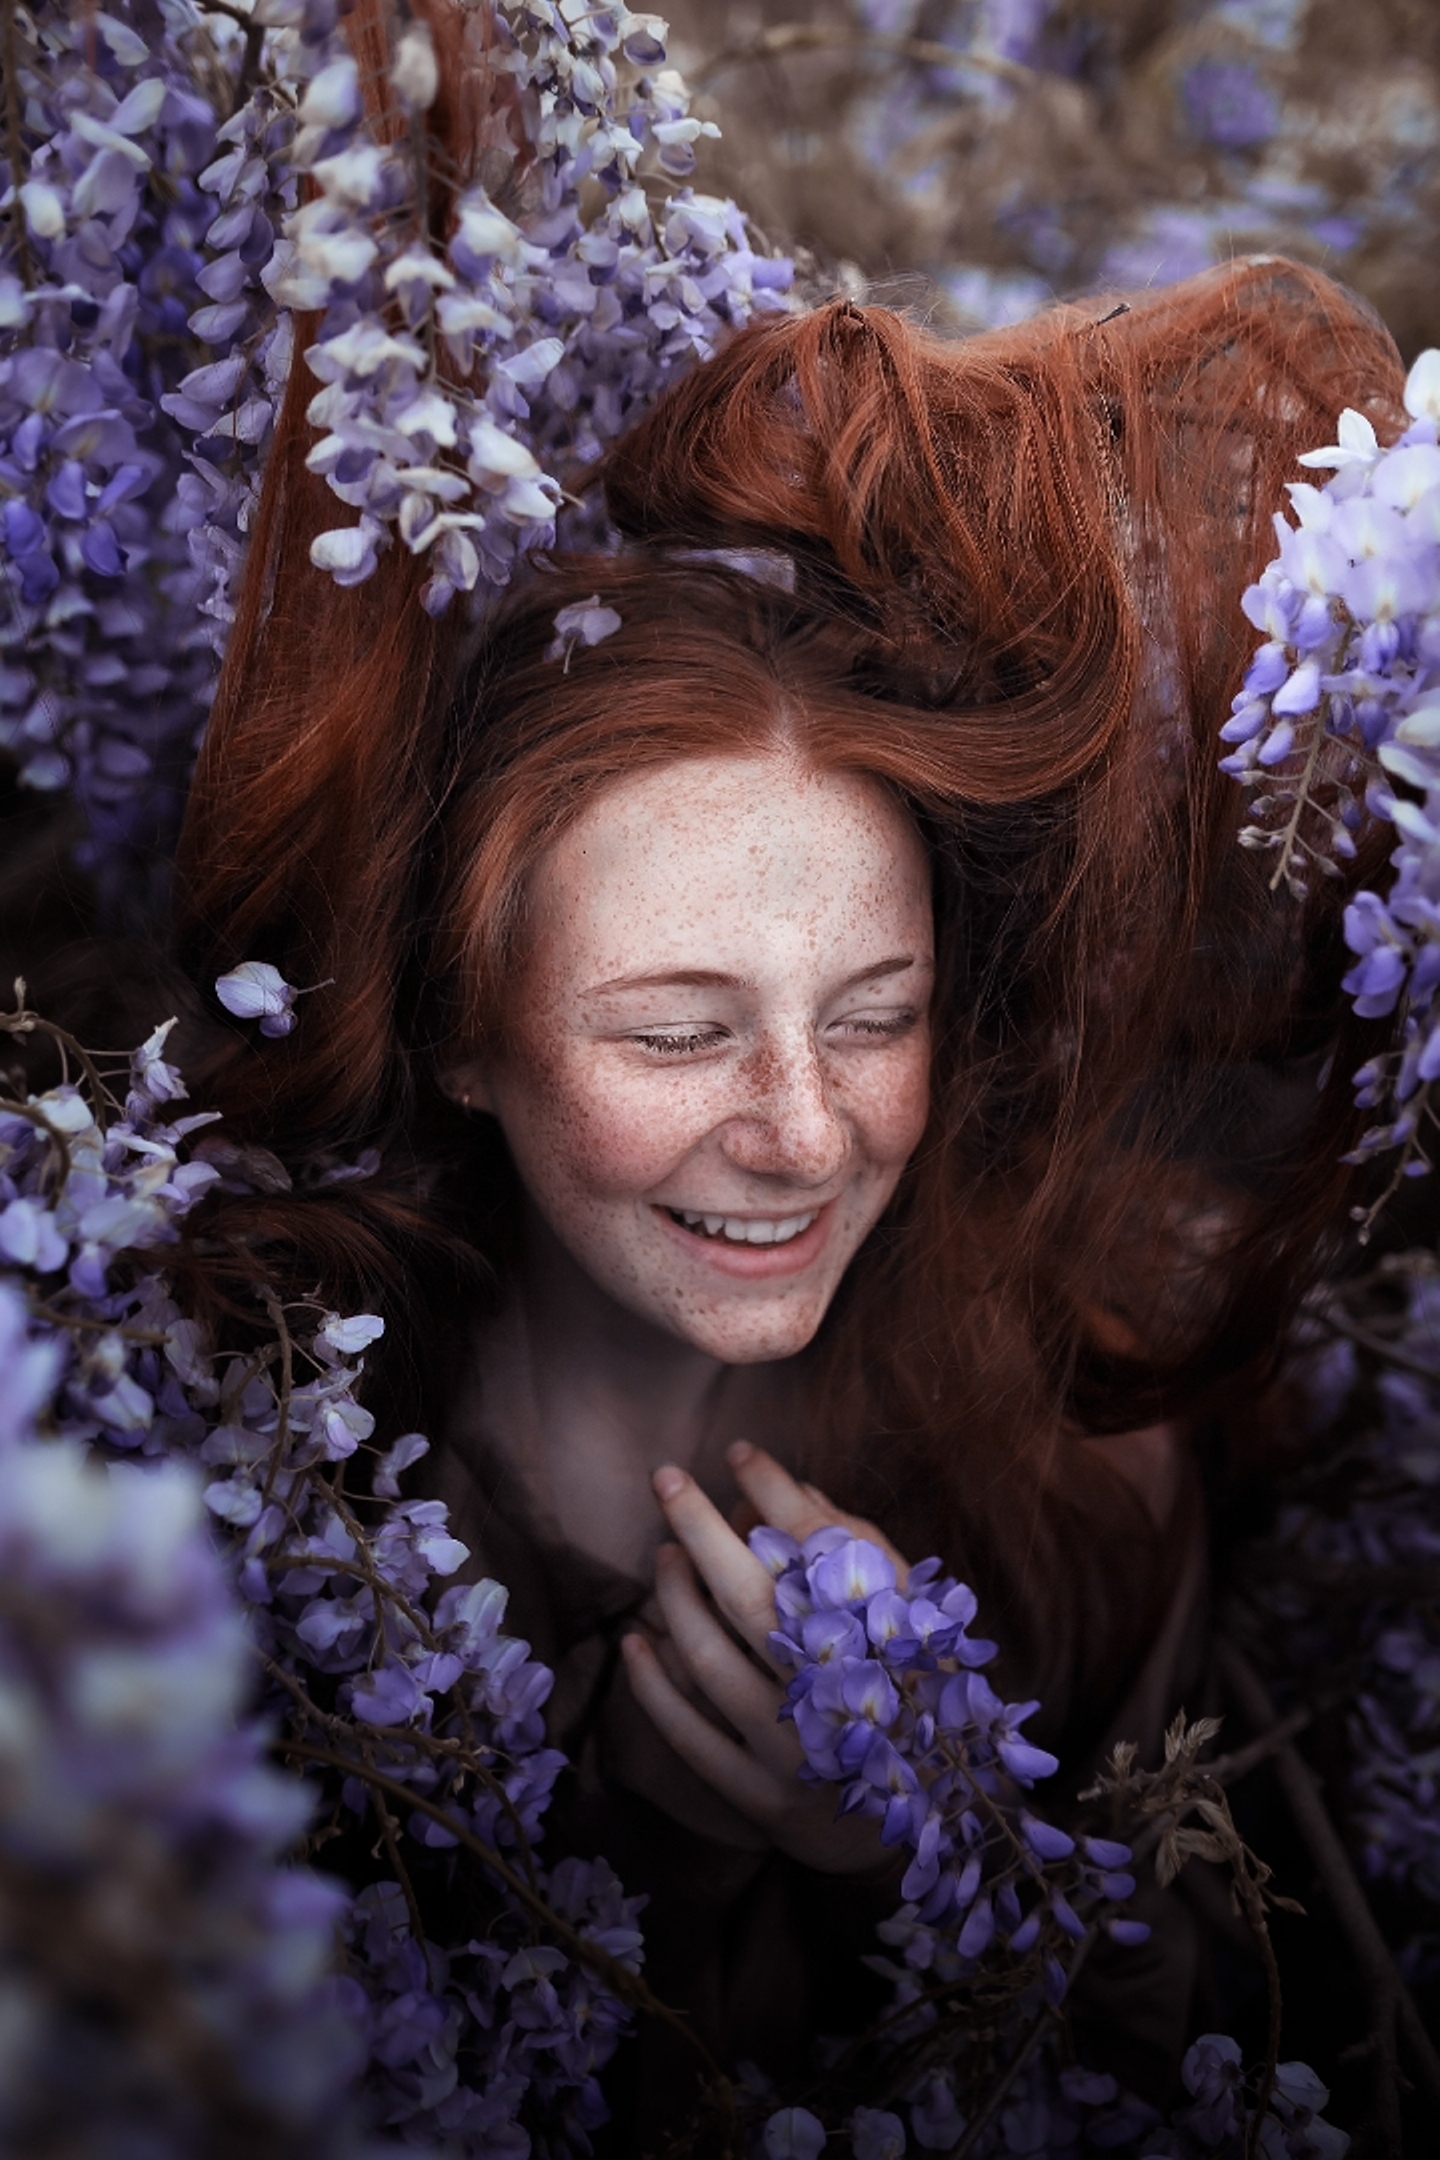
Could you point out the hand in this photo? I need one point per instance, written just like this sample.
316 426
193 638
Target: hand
757 1773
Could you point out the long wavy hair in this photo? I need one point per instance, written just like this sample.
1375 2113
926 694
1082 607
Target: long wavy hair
1001 578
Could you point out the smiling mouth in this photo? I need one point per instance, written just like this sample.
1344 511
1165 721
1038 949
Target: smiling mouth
743 1229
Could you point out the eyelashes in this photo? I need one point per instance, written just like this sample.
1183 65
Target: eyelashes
678 1045
895 1024
675 1046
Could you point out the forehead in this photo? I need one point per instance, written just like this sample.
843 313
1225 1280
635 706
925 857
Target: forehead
728 862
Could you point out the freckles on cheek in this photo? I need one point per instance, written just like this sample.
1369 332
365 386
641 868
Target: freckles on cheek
898 1107
615 1138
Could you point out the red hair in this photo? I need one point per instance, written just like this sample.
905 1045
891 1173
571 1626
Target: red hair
1016 568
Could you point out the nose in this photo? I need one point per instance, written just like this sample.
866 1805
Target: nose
790 1126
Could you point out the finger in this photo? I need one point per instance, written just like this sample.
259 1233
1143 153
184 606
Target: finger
734 1774
744 1697
797 1509
740 1585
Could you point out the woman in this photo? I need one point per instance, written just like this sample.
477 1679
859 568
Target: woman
825 1046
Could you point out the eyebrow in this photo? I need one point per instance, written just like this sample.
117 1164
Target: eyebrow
716 979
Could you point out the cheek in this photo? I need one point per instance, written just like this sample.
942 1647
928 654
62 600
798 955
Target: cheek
894 1102
605 1133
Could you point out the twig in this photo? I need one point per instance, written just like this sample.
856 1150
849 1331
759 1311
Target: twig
1390 1352
1230 1769
81 1323
1392 2007
1290 839
1185 1786
15 145
11 1106
824 37
1049 2016
25 1022
276 1314
389 1831
619 1978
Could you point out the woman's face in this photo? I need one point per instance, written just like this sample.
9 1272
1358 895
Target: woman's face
716 1061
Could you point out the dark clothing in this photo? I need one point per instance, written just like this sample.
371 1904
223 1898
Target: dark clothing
761 1953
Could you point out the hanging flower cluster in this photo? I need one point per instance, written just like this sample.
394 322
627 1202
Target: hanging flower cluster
166 1976
1376 1520
104 664
1340 708
463 383
1059 2115
889 1702
427 1716
469 367
398 1687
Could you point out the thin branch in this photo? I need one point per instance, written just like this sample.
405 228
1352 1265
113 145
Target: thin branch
1390 1352
617 1977
83 1323
389 1831
15 143
1230 1769
11 1106
1392 2008
276 1313
785 38
1048 2019
1290 838
25 1022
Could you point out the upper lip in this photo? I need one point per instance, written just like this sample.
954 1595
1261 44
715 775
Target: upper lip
736 1214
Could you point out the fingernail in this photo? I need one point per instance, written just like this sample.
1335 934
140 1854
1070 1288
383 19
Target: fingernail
630 1644
739 1451
668 1481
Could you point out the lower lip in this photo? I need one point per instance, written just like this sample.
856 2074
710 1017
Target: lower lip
753 1263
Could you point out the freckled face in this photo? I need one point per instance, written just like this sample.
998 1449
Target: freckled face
718 1054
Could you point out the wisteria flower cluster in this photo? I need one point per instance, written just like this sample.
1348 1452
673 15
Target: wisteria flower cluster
165 1976
427 1717
462 382
399 1686
469 367
889 1701
1375 1521
1339 720
104 663
1058 2114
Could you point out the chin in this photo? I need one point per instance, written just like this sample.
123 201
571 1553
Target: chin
755 1338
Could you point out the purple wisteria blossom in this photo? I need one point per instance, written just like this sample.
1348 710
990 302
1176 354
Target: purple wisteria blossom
257 991
142 1833
1341 705
1227 104
186 191
372 1658
586 623
465 387
104 666
1378 1519
890 1703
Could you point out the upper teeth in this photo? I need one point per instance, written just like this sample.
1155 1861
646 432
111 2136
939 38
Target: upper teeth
748 1230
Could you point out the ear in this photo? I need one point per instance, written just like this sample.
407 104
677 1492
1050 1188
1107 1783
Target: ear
468 1085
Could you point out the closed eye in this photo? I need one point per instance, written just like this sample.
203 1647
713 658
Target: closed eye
879 1024
680 1045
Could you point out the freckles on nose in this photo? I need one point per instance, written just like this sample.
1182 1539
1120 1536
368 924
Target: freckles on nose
789 1122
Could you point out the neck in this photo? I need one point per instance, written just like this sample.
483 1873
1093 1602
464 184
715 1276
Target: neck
601 1370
